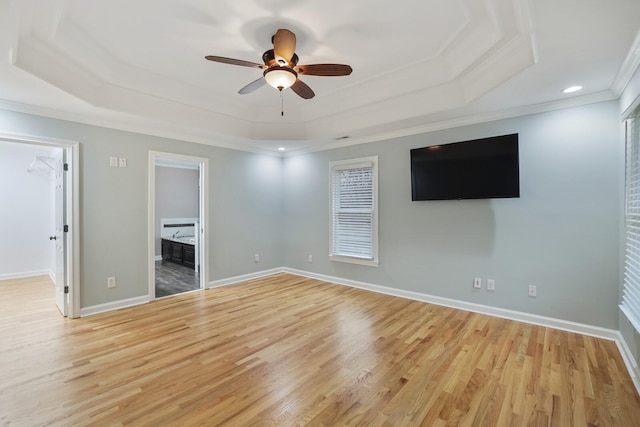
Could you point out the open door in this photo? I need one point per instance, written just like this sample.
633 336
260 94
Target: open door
178 250
62 300
66 187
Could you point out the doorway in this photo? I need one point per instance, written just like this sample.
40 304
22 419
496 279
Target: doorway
177 224
59 163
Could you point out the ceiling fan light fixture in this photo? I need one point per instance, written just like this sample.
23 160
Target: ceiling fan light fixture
280 78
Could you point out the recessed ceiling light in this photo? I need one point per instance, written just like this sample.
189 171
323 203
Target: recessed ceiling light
572 89
281 149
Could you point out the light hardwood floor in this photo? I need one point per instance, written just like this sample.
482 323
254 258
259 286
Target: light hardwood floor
287 350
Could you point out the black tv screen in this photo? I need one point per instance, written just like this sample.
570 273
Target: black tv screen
484 168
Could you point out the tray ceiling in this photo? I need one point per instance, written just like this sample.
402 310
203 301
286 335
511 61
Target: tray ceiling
140 65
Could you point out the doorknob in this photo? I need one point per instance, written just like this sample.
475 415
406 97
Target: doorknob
52 237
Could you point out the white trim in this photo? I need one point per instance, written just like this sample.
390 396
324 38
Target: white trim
630 317
574 101
25 274
111 306
629 361
203 215
355 260
162 129
158 258
343 165
628 68
73 209
549 322
131 302
166 130
624 115
244 277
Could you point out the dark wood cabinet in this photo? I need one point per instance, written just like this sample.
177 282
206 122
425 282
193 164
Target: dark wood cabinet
176 252
180 253
166 250
189 255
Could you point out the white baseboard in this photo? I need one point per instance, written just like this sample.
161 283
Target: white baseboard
565 325
158 258
629 360
115 305
244 277
26 274
549 322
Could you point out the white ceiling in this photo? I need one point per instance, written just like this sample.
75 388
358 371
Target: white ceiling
418 64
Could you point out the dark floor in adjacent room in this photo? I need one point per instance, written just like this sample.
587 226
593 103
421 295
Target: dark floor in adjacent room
172 278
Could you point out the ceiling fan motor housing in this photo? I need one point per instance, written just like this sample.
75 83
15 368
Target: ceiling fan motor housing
269 59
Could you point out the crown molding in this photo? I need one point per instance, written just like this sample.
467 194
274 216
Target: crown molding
628 68
159 129
166 130
463 121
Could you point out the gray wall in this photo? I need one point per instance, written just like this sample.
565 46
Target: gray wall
561 235
245 205
177 193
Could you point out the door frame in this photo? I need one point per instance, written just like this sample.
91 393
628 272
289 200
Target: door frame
203 213
72 205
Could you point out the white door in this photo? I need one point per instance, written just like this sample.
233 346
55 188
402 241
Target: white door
62 300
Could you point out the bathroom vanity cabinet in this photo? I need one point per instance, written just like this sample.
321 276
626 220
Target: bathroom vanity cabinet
178 252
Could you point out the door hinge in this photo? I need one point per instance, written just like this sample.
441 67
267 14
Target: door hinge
66 229
66 289
66 166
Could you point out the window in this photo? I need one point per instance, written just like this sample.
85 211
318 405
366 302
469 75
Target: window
631 297
354 211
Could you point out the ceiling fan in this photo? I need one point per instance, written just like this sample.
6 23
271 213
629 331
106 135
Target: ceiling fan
281 69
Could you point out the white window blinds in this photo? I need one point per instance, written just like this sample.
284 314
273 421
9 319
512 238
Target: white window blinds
354 211
631 296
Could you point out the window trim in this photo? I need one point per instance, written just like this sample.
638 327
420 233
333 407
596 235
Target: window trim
630 303
356 164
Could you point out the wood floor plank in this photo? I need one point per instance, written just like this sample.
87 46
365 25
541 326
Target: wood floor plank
288 351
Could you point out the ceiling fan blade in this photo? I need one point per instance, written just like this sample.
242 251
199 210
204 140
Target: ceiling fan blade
284 46
254 85
302 89
324 70
233 61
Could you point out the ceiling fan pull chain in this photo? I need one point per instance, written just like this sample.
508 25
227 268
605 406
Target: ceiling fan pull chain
281 104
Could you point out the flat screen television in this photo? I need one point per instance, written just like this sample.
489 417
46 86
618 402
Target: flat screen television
484 168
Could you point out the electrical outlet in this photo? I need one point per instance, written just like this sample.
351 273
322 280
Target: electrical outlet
491 285
122 162
533 291
111 282
113 162
256 257
477 283
310 258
